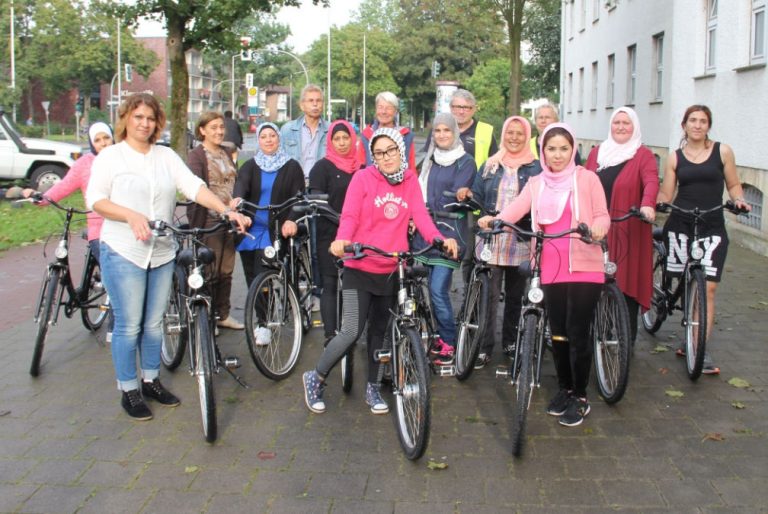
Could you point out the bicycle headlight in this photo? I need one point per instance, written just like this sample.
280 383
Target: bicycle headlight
410 307
535 295
195 279
697 252
486 254
270 252
610 268
61 251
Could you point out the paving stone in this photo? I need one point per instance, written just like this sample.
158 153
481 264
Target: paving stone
742 492
13 496
13 470
168 501
56 499
408 507
506 492
631 493
578 493
279 483
166 476
337 485
342 506
230 480
402 488
236 504
116 501
688 492
57 472
111 474
303 505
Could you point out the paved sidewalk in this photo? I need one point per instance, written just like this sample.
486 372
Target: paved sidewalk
66 445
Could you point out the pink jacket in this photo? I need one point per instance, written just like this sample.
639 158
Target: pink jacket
377 213
590 208
77 178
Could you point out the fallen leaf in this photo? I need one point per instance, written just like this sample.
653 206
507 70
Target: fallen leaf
266 455
738 405
191 469
436 465
231 399
713 436
588 431
743 430
4 413
738 382
674 393
663 371
660 348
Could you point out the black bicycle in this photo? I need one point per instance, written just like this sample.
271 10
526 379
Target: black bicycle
196 321
405 353
90 297
684 289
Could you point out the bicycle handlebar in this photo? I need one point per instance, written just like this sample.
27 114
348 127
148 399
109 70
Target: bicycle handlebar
468 204
38 197
297 198
499 225
161 228
357 251
697 212
633 212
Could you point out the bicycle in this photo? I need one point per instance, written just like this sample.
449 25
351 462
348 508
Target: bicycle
525 371
197 320
279 298
689 293
405 354
89 296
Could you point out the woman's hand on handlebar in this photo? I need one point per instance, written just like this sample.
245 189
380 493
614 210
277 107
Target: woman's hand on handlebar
485 221
649 213
739 203
242 222
463 193
139 225
597 232
337 247
235 203
451 248
289 228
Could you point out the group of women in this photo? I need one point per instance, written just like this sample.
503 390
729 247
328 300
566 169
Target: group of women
135 181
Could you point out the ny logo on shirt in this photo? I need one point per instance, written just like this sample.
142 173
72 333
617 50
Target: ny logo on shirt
678 252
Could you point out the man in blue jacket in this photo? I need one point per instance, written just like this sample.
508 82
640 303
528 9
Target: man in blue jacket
303 139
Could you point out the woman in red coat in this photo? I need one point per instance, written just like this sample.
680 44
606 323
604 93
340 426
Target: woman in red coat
630 178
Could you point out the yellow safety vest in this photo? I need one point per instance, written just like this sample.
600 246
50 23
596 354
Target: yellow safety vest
535 146
483 137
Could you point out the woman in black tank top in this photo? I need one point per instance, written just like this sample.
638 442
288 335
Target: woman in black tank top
700 171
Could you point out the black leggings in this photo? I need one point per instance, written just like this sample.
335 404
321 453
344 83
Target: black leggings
357 305
570 307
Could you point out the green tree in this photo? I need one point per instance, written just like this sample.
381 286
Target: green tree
490 85
512 13
194 24
541 75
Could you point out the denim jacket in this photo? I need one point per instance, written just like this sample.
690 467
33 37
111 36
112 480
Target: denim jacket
486 189
290 139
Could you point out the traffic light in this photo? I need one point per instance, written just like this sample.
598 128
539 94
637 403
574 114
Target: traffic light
80 104
128 73
246 54
435 69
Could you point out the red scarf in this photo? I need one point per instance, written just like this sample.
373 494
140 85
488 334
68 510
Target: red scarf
348 163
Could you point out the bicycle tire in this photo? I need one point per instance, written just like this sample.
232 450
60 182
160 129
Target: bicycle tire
654 317
524 382
347 369
264 304
426 328
412 403
203 368
612 340
175 329
696 326
304 287
49 296
94 305
472 327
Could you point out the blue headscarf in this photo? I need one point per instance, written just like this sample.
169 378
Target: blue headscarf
271 162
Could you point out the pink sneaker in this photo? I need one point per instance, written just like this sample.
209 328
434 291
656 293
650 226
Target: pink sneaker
440 347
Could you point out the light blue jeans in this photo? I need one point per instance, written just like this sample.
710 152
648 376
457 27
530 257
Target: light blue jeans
440 278
139 298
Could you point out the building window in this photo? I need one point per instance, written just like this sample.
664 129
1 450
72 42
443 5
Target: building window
570 93
571 7
631 74
609 91
595 10
610 4
583 15
593 103
754 198
757 45
658 66
581 89
711 44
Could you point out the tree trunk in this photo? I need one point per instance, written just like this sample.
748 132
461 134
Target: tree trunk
179 82
514 19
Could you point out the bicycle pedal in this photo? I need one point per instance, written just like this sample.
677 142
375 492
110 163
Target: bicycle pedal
503 372
317 323
103 307
382 356
231 362
448 370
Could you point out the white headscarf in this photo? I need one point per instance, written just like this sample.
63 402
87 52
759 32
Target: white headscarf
612 153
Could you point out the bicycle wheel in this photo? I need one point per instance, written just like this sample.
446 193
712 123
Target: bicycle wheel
655 316
94 302
272 305
524 382
304 287
203 368
48 298
612 340
472 326
696 322
412 408
347 369
175 323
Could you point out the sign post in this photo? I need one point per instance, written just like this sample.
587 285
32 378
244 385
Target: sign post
47 104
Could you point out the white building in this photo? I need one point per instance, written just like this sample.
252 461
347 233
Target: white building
660 56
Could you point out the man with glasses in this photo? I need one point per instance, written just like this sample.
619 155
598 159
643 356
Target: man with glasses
543 116
476 136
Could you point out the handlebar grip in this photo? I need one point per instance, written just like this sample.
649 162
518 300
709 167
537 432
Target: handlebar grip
316 196
302 209
584 231
662 207
438 242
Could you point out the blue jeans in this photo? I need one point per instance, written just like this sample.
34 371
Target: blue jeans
440 278
139 298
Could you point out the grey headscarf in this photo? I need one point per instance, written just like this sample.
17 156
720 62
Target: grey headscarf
442 156
395 136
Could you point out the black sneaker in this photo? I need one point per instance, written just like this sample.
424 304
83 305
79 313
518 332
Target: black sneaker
134 405
575 412
482 360
559 403
156 391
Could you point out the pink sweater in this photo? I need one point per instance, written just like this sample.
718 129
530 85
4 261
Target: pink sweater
589 207
77 178
377 213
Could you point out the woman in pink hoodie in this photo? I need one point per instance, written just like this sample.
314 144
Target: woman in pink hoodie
561 197
380 202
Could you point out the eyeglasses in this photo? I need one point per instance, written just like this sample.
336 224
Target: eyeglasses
392 152
462 107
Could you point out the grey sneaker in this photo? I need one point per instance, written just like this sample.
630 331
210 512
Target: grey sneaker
559 403
575 412
482 360
313 391
374 400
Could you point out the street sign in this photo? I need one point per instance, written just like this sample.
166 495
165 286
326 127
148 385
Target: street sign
249 80
253 97
46 104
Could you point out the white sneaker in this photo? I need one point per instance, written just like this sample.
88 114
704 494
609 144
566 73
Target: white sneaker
231 323
315 304
262 336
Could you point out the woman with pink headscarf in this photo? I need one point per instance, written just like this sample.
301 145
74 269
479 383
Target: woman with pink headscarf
499 181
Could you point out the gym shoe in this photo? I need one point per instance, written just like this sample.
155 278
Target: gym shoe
559 403
156 391
709 367
509 349
482 360
575 412
315 304
231 323
134 405
374 400
313 391
262 336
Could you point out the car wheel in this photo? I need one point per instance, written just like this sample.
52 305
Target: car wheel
46 176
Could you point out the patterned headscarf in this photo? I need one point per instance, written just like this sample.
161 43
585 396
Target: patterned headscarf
394 135
270 162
